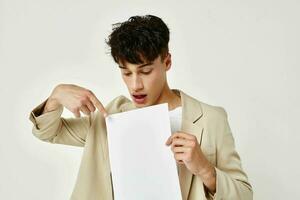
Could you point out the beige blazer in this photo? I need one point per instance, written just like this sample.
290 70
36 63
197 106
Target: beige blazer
208 123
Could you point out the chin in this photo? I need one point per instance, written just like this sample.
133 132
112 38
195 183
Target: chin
142 105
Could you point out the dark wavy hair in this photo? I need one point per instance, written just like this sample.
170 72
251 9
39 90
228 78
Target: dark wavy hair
139 39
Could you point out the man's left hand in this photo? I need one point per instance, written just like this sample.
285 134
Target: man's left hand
187 151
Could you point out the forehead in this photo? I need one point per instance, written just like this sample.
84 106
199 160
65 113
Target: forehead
134 66
127 65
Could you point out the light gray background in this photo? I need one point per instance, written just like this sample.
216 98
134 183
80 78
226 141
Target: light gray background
241 55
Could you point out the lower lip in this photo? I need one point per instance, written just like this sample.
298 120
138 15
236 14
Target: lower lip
140 100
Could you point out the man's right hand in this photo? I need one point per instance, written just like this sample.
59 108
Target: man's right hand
75 99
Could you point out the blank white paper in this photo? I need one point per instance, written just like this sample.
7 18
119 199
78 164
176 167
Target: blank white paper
142 166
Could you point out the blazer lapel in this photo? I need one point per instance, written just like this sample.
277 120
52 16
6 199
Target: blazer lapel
191 123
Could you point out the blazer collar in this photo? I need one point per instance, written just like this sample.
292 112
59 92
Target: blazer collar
191 123
191 108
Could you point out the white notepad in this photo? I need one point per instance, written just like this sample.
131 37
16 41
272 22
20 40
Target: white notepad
142 166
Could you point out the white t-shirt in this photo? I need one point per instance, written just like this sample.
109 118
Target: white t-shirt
175 120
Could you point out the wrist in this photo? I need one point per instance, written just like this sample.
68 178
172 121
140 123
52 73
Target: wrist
205 170
207 173
51 104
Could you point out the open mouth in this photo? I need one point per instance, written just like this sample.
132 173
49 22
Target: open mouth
139 98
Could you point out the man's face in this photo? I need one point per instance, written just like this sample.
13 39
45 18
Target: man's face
146 82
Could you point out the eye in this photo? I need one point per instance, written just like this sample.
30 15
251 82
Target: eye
146 72
126 74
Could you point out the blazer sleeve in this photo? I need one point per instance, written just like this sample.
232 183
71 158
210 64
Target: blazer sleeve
51 127
231 180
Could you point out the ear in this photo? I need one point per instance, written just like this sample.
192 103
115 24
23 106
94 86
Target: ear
168 61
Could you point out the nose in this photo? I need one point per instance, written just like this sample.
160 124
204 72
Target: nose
137 83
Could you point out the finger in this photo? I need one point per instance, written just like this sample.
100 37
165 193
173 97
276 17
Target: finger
180 135
180 162
179 149
179 142
179 156
85 110
76 113
169 140
90 106
183 135
185 143
98 104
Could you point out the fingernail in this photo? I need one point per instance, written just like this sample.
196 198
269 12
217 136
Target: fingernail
167 142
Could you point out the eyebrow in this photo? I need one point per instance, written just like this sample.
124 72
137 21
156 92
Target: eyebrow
143 65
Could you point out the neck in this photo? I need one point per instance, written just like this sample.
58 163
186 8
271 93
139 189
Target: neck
168 96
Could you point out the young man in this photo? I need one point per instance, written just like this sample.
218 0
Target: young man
202 143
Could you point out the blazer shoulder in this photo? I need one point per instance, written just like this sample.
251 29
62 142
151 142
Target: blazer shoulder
112 107
116 105
216 120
